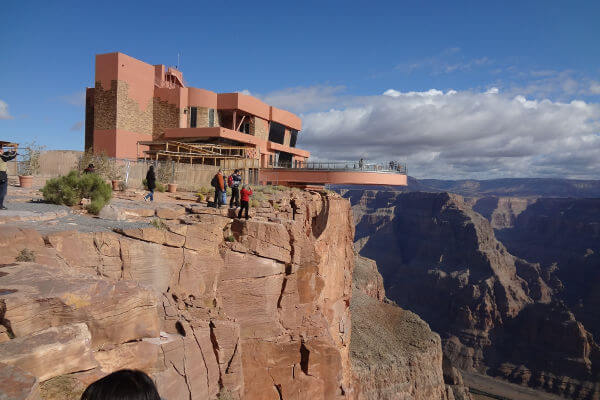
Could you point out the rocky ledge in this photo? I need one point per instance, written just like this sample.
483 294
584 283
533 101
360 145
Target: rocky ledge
208 305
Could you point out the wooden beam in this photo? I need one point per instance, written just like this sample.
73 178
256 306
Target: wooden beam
241 122
234 118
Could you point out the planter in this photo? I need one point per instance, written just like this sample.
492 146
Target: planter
116 185
25 181
172 187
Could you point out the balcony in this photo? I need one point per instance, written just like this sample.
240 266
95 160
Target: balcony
338 173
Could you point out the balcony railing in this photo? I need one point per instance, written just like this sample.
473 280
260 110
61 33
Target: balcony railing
396 168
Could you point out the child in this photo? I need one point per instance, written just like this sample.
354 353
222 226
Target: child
245 200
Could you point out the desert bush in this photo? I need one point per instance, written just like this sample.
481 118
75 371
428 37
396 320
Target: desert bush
158 224
230 238
205 190
106 167
71 188
31 159
25 255
200 197
254 203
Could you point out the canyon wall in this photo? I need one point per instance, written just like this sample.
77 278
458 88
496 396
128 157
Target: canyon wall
208 305
394 353
496 313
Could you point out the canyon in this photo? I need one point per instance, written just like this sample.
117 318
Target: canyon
506 311
210 306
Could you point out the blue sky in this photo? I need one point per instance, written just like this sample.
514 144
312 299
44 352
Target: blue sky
329 60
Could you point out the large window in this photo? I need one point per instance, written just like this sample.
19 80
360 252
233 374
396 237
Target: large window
293 137
193 117
276 133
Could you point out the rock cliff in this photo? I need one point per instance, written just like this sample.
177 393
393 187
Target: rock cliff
496 313
208 305
394 353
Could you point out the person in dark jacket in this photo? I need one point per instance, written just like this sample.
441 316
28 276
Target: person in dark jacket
151 183
4 158
246 193
236 180
126 384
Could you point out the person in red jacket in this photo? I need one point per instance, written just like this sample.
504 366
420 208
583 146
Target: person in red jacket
245 200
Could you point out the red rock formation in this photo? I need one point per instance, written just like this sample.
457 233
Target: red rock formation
265 316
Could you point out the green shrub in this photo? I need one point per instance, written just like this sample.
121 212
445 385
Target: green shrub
254 203
25 255
71 188
205 190
230 238
158 224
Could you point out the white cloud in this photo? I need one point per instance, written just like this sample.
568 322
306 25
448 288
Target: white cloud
594 87
4 114
448 61
460 134
492 90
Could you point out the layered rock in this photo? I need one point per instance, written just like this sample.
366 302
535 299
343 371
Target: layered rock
394 353
253 309
441 260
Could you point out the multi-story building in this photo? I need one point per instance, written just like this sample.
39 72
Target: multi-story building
137 110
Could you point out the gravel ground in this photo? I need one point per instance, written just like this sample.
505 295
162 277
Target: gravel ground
72 221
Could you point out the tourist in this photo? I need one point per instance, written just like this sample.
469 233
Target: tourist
219 184
90 169
126 384
4 158
246 193
361 163
150 183
235 180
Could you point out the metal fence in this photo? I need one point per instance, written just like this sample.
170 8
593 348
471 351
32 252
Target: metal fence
396 168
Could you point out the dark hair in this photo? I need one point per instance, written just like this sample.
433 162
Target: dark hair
152 168
126 384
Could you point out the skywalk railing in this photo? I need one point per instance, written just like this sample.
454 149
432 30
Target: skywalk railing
396 168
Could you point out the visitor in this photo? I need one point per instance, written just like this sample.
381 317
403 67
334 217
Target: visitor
90 169
126 384
235 179
246 193
4 158
219 184
361 163
150 183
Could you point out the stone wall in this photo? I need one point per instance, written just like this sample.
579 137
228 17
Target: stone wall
259 128
166 115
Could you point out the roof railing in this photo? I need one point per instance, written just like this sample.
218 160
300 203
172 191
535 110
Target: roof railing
396 168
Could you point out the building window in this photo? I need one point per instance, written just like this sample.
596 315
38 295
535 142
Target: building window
293 137
193 117
270 159
211 117
276 133
246 128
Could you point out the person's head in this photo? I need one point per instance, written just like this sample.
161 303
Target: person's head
237 171
152 168
126 384
91 165
220 172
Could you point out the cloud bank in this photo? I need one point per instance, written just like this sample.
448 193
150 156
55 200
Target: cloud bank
457 134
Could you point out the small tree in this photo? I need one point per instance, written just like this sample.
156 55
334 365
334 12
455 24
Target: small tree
30 164
104 166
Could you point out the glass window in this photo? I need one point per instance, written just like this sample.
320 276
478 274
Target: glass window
276 133
193 117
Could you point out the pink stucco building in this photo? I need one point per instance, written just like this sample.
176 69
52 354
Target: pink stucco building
137 110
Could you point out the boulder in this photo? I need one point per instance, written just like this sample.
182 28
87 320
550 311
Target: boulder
16 384
42 297
52 352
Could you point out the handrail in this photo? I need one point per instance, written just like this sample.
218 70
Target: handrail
342 166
